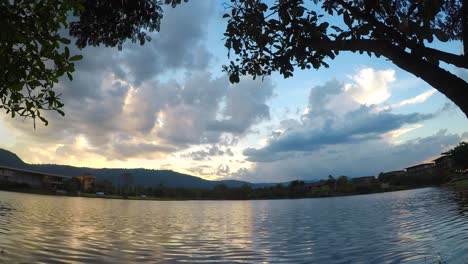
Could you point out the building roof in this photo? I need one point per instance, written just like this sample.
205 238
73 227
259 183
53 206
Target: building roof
33 172
395 171
363 178
420 165
316 184
441 158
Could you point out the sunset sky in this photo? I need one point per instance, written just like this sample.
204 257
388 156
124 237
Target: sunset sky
168 105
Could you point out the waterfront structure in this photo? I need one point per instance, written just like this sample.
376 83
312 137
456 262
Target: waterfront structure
87 181
443 164
420 169
363 180
385 185
33 179
315 185
392 173
391 176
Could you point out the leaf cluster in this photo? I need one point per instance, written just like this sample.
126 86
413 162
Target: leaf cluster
33 55
459 155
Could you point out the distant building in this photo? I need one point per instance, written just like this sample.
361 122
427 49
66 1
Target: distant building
391 176
384 185
393 173
443 164
314 185
32 179
420 169
363 180
87 181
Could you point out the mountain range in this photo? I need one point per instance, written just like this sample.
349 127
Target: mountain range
143 177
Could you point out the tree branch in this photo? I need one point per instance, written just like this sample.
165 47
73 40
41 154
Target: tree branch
455 88
465 27
450 58
421 50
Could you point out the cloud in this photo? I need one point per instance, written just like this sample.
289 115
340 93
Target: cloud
124 105
208 152
221 171
345 130
205 111
371 86
156 117
324 124
353 160
421 98
178 45
245 106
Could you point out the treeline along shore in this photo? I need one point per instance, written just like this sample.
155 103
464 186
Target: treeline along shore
451 169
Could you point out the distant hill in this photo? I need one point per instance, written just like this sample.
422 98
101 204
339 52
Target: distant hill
10 159
142 177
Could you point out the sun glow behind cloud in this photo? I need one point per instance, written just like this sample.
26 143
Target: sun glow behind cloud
371 87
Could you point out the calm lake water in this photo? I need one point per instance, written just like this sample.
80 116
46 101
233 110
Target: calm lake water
414 226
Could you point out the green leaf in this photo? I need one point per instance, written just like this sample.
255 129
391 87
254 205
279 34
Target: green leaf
70 76
43 120
234 78
76 58
65 41
323 26
34 83
347 19
17 86
441 35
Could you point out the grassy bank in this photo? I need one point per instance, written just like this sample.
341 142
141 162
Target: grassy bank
459 185
458 182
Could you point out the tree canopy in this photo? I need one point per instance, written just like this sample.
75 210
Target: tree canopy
33 55
283 35
459 155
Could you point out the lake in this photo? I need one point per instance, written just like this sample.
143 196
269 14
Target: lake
415 226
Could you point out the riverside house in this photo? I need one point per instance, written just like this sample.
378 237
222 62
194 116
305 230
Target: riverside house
33 179
363 180
420 169
87 181
443 164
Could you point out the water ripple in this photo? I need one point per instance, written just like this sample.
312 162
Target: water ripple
419 226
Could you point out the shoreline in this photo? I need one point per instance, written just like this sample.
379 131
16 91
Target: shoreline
456 187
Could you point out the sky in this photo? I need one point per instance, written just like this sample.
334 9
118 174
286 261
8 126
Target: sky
168 105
